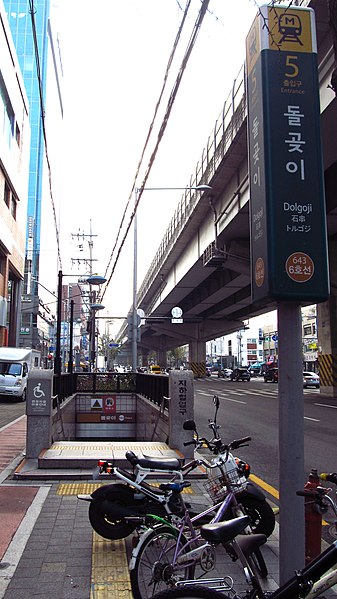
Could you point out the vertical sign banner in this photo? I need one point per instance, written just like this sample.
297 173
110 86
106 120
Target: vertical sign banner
289 258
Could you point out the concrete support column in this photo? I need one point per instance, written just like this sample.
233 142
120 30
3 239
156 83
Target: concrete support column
161 355
197 351
181 392
327 331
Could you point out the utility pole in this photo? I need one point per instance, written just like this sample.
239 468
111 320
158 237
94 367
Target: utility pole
81 237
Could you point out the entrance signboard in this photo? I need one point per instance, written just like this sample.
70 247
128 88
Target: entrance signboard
287 205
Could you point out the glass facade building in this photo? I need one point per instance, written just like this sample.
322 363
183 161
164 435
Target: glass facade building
20 22
39 78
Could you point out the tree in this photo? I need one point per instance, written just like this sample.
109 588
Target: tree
177 356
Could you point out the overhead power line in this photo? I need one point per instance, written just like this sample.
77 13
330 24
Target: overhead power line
169 64
169 107
38 70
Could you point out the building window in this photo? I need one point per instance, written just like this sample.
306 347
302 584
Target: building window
17 135
6 114
307 329
13 207
7 195
10 200
2 264
230 348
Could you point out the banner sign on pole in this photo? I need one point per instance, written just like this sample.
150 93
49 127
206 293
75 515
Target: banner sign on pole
288 233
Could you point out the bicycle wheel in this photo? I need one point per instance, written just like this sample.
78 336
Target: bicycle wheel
261 515
191 592
101 513
153 571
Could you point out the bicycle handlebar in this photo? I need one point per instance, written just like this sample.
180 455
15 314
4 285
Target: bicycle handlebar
329 477
239 442
215 445
314 493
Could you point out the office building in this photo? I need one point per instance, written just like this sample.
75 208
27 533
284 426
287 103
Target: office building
14 163
42 74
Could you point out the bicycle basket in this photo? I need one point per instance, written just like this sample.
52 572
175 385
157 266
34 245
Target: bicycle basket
219 486
235 482
216 488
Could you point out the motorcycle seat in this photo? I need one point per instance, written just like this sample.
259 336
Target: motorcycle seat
153 463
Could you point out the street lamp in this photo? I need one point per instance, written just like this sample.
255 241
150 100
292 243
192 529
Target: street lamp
91 280
138 190
93 309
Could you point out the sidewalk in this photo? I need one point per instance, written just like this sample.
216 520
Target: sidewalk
48 548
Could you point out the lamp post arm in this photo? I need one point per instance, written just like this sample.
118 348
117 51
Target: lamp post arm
134 289
57 360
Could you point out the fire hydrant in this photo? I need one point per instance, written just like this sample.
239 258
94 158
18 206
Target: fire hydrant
313 517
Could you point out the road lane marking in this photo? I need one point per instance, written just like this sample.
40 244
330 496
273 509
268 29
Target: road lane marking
233 400
325 405
268 488
313 419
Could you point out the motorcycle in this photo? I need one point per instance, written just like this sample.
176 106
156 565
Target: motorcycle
116 510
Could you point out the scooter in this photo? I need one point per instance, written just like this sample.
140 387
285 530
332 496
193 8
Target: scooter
116 510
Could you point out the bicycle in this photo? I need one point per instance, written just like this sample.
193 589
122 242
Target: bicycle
167 557
166 553
329 502
116 510
310 582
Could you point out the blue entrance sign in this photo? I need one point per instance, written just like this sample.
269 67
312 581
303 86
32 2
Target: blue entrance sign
287 207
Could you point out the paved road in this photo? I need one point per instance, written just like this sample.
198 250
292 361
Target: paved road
10 410
56 540
252 409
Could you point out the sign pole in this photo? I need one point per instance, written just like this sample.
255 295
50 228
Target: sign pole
291 439
288 234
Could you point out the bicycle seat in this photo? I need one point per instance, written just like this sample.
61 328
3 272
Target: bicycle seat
223 532
250 543
155 463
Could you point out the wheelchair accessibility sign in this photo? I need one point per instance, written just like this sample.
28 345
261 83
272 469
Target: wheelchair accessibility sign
39 393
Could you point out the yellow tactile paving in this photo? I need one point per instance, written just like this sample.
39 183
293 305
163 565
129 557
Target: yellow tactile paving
77 488
87 447
88 488
109 570
109 565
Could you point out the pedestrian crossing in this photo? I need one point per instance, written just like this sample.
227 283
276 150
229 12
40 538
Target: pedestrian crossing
231 393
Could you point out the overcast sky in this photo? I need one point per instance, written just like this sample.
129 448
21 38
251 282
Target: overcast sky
114 57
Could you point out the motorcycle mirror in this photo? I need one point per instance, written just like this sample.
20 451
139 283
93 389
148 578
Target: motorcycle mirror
189 425
216 401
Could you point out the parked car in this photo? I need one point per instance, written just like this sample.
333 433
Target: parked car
255 370
155 369
310 379
240 374
271 376
224 372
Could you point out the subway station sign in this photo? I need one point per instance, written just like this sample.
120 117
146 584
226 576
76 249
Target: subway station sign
287 206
